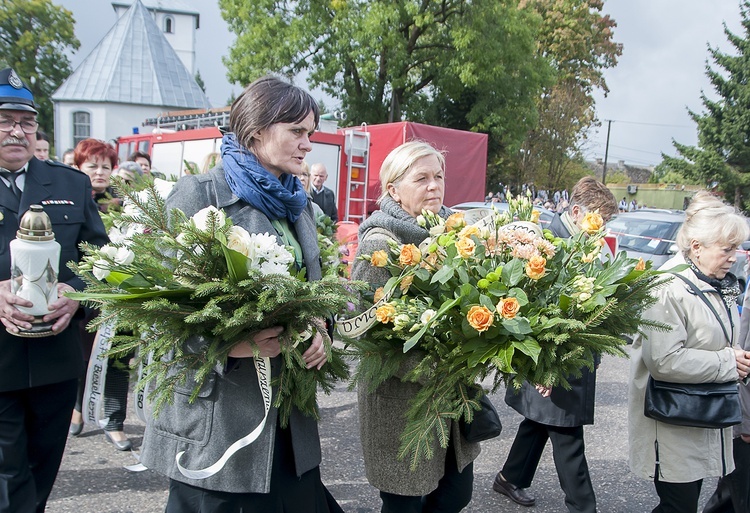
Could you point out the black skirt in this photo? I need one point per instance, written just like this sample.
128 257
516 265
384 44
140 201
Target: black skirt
289 493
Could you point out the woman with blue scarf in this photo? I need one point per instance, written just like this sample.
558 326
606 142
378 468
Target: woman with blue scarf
256 185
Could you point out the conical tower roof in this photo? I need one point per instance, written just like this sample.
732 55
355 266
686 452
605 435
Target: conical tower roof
135 64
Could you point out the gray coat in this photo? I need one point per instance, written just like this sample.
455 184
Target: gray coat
563 408
230 404
694 351
382 414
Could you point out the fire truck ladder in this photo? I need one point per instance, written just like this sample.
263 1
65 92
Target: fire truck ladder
357 149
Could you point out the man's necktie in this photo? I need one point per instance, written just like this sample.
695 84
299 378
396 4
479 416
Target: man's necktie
11 177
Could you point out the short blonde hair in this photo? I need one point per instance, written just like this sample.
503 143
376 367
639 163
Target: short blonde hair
710 221
400 160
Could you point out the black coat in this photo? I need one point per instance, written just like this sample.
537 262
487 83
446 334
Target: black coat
326 201
563 408
65 194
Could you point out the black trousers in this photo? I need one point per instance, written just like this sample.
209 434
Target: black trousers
570 461
732 494
451 496
33 430
677 497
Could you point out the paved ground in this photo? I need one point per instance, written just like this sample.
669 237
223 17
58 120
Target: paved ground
92 478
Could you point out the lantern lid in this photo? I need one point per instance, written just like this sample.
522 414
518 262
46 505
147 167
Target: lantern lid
35 225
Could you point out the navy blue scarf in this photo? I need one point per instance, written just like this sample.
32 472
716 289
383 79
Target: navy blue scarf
277 198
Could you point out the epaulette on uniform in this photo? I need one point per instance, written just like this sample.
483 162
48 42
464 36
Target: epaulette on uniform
56 163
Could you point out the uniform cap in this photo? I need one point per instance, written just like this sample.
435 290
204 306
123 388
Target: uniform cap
14 94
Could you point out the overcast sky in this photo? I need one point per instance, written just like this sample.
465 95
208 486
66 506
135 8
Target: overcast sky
660 74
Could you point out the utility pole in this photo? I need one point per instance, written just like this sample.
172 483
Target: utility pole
606 153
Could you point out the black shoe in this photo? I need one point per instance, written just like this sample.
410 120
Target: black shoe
514 493
124 445
75 429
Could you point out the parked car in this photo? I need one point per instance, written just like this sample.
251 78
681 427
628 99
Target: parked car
650 234
545 215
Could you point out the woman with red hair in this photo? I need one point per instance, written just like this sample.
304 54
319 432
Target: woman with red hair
97 159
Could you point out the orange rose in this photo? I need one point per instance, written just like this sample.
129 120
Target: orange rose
455 221
535 216
468 231
535 267
465 247
508 307
410 255
385 313
379 258
406 283
379 293
592 222
430 260
480 318
641 265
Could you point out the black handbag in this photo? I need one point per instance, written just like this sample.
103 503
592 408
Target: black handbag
703 405
484 426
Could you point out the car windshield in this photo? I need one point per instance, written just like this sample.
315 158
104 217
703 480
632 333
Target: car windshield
644 235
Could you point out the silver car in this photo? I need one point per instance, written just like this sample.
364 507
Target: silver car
650 234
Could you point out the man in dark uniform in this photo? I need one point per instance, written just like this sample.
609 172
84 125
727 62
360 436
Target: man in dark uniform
558 414
38 376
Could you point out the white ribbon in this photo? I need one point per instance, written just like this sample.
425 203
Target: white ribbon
140 395
358 325
263 370
96 374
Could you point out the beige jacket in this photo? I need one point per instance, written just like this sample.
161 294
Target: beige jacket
694 351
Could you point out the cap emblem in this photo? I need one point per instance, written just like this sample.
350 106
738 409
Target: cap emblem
14 81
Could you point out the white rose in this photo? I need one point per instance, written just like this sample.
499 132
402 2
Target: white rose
100 269
421 221
427 316
200 219
108 251
124 256
239 240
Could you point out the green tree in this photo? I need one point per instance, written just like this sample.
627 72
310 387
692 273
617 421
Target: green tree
199 81
34 38
578 40
470 65
722 157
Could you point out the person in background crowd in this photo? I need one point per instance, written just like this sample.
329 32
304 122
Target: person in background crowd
304 177
558 414
623 205
42 146
732 493
128 170
38 376
694 350
143 159
271 122
68 158
97 158
321 194
412 178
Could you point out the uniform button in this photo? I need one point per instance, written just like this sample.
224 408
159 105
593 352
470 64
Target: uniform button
65 216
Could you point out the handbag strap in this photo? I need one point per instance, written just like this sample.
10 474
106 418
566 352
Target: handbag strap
698 292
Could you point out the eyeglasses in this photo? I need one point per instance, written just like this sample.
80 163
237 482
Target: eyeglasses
29 126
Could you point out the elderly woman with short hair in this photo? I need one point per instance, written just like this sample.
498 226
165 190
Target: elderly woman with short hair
695 350
412 178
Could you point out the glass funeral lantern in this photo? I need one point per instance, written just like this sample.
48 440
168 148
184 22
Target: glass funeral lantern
34 263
